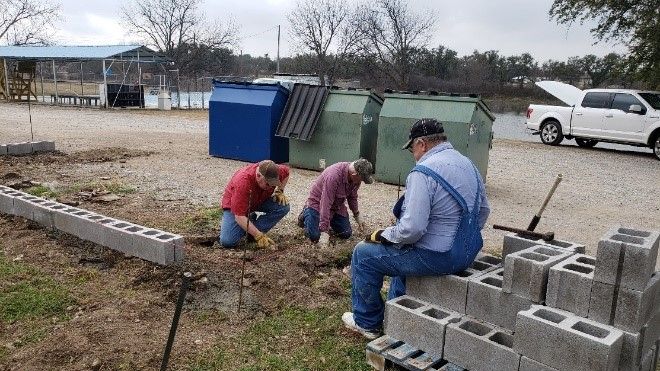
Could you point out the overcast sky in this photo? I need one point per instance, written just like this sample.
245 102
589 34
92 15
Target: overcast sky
510 26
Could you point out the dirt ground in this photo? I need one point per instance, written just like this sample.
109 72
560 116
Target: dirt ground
158 164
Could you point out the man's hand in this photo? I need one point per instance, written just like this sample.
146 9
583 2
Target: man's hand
264 241
279 197
377 237
362 226
324 240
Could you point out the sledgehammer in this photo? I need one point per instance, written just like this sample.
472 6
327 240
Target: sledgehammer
537 217
547 236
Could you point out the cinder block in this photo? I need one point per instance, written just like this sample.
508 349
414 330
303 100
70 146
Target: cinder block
649 360
3 149
22 148
569 284
634 308
602 302
568 342
444 365
651 331
71 220
526 271
418 323
631 351
514 243
7 200
487 302
43 146
449 291
528 364
42 213
626 257
23 205
479 346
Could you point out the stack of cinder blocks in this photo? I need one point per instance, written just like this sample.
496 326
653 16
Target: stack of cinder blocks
544 306
25 148
134 240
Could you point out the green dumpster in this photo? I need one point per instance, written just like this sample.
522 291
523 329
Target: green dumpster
466 119
346 130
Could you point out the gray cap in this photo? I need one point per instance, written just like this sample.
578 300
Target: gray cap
364 169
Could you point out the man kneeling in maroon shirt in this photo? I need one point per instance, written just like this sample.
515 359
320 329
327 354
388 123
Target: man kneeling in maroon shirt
254 188
326 208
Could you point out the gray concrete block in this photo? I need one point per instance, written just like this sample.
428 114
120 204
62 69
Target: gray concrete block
23 206
564 341
651 331
528 364
42 213
71 220
526 271
634 308
487 302
626 257
22 148
418 323
43 146
650 360
479 346
631 351
514 243
3 149
7 200
602 302
154 245
569 284
449 291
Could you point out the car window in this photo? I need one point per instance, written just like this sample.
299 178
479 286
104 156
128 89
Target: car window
623 102
652 99
597 100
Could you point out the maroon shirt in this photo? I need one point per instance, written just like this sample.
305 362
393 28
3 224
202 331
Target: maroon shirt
237 193
329 192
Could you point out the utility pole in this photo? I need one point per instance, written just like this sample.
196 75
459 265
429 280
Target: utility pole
278 48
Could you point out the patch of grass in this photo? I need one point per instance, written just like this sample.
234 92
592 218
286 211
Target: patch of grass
25 293
42 191
300 339
202 220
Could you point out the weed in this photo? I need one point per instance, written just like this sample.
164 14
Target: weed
202 220
42 191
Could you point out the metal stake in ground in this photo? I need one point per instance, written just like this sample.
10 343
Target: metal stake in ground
175 321
537 217
247 233
30 116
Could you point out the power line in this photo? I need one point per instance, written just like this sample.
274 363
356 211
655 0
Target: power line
259 34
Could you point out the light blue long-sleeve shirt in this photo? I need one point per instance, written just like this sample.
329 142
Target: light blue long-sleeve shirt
430 215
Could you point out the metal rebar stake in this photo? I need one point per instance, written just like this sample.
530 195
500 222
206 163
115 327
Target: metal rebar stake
175 321
247 233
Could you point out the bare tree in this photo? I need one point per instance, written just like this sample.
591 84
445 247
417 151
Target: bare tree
394 34
27 22
327 29
168 25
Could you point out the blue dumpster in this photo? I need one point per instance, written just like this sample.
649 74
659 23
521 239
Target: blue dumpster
243 118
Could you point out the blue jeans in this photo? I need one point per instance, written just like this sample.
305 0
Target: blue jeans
231 232
371 262
340 224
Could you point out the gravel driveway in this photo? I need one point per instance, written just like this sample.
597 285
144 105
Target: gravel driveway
602 186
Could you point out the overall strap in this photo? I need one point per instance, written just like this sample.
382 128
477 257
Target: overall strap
448 187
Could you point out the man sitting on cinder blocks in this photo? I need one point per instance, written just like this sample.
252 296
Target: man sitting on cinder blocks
326 206
254 188
438 228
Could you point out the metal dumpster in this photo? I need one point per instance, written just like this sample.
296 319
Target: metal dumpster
243 118
346 130
467 121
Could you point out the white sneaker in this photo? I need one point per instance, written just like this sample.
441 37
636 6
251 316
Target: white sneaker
350 324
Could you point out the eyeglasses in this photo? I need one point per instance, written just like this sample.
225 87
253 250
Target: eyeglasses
412 145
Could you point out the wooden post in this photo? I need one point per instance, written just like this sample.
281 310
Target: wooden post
57 98
105 87
41 77
4 64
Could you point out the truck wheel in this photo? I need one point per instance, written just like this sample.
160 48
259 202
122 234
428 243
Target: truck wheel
586 143
656 147
551 133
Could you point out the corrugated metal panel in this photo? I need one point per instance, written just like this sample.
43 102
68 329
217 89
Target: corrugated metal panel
79 52
302 111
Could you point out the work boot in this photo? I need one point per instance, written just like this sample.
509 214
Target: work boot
349 322
301 219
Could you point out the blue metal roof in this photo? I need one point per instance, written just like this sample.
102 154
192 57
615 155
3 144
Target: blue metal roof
81 52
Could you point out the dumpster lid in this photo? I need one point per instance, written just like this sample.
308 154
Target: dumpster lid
302 111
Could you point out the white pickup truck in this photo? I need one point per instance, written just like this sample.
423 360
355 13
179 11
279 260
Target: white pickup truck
598 115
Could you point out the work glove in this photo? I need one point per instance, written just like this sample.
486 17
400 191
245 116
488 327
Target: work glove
264 242
324 240
377 237
360 223
279 197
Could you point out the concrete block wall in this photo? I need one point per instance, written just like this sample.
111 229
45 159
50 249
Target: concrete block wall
526 271
131 239
478 346
450 291
562 340
569 284
514 243
418 323
24 148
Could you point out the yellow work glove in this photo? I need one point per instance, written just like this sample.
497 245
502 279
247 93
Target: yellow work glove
279 197
264 241
377 237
